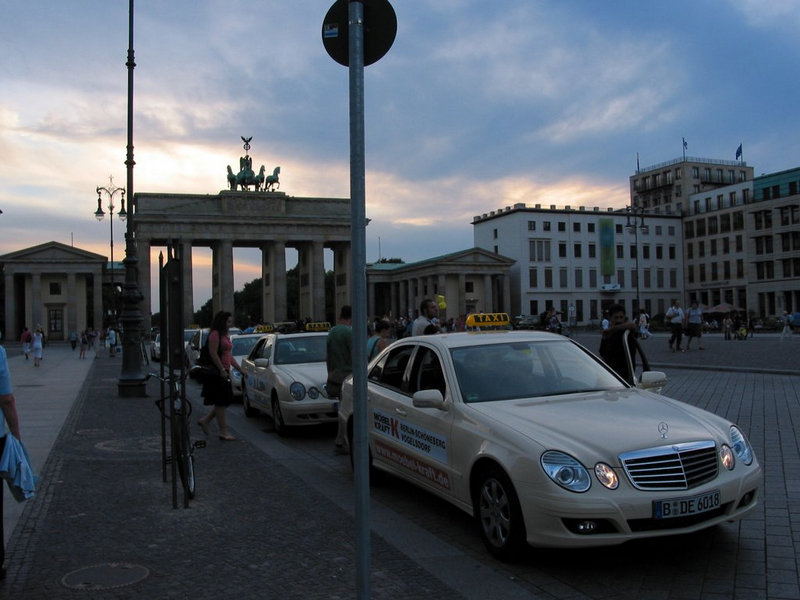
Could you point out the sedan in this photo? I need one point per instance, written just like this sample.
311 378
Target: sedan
242 345
284 376
543 444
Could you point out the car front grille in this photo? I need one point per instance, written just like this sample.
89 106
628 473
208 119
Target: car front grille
676 467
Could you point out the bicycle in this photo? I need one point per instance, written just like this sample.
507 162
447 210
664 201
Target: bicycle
181 445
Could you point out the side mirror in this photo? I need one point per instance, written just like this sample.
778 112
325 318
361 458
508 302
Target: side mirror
261 363
428 399
652 380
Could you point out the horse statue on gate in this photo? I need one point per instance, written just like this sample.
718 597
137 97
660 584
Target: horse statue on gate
272 180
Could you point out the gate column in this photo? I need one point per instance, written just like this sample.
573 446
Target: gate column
222 276
188 289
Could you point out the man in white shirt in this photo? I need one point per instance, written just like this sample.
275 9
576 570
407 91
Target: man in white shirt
428 311
676 317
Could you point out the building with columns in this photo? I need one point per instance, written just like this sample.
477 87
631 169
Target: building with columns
55 285
473 280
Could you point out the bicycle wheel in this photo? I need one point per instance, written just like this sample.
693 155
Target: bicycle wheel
184 457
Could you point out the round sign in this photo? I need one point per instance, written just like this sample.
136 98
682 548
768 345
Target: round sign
380 29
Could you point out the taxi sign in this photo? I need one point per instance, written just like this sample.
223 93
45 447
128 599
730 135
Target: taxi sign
318 326
263 329
489 320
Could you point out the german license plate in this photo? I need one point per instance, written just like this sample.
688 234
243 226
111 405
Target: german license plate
683 507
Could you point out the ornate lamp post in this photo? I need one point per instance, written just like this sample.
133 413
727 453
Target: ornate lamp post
132 379
636 213
110 192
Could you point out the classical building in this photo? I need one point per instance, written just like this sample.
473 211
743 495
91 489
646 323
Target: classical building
57 286
472 280
586 259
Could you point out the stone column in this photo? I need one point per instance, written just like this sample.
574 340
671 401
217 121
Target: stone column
441 288
488 301
273 281
71 318
11 332
188 286
506 280
36 302
341 277
97 298
145 285
317 281
410 297
222 276
462 294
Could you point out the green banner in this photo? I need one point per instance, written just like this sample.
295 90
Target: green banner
607 266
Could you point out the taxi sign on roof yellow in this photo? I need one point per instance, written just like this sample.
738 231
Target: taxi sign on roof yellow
488 320
318 326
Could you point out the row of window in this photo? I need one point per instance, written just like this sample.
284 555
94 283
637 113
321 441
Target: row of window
713 246
714 224
717 176
710 203
703 275
590 227
662 278
773 192
539 251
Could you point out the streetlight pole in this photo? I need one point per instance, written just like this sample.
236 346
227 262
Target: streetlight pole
636 213
131 382
110 192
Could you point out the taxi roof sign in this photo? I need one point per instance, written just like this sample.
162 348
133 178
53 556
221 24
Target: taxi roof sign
263 329
318 326
489 320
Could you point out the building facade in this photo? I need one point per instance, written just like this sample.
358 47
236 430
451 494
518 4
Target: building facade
580 261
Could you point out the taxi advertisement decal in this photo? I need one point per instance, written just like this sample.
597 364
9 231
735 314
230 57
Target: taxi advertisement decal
415 437
429 472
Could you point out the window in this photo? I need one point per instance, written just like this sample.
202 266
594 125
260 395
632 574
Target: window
702 274
576 227
494 233
673 278
426 374
632 250
562 278
700 227
548 277
671 230
592 278
713 247
713 225
688 229
726 245
701 249
592 251
672 253
690 273
390 369
578 278
618 228
55 288
533 278
659 230
726 269
562 250
690 250
740 268
562 226
620 251
659 252
546 225
590 227
739 243
531 225
714 271
724 223
469 287
539 250
660 278
646 251
696 172
576 250
738 220
621 277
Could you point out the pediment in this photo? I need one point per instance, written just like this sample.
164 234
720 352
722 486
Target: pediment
52 253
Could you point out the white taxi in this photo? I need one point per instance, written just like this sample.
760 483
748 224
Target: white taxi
543 443
283 377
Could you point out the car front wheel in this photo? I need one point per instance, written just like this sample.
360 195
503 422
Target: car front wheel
249 411
498 513
277 418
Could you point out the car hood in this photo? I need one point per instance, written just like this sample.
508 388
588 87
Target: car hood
307 373
604 424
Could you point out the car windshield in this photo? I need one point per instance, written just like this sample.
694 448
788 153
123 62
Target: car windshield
301 349
243 345
513 369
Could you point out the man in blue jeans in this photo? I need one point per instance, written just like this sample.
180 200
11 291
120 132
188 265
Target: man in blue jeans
10 424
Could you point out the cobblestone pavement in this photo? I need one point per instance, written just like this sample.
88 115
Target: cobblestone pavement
273 517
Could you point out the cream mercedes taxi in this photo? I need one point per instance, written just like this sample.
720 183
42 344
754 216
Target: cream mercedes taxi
284 377
544 444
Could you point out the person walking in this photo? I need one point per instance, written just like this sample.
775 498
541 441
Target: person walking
37 346
787 327
339 361
379 340
84 341
644 324
10 425
25 340
676 317
111 337
694 327
217 391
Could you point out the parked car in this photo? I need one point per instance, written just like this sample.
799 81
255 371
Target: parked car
198 340
242 345
284 377
155 348
544 444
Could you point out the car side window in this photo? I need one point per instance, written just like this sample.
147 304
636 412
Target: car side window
426 374
390 369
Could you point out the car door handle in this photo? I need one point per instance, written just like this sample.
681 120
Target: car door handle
400 412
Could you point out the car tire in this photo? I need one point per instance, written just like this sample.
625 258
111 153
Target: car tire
498 513
249 411
277 418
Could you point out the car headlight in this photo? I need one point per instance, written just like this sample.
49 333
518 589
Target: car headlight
297 390
606 475
741 446
313 393
566 471
726 457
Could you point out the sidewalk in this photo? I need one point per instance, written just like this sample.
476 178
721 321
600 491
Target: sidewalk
102 519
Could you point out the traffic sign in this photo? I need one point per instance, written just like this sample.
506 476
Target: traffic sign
380 29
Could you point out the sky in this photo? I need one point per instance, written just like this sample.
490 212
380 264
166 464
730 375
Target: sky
476 106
